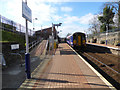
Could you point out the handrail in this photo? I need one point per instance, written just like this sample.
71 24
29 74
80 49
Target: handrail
34 43
46 46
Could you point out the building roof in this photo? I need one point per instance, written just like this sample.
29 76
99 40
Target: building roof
49 28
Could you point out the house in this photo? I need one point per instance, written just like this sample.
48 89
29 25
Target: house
45 33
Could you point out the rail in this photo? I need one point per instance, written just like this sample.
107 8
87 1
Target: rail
46 46
2 62
12 26
34 43
18 55
102 63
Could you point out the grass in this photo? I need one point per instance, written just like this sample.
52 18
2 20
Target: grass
4 41
12 37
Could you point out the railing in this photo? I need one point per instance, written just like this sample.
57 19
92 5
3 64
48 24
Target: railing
18 54
10 25
46 47
2 62
34 43
100 33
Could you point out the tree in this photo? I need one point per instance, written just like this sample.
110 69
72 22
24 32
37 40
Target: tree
103 28
107 17
94 24
116 6
68 34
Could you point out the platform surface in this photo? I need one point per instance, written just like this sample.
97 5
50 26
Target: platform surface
107 46
66 70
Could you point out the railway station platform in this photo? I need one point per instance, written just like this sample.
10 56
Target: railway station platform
104 45
65 70
113 49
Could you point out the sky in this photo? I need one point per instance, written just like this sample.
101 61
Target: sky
74 15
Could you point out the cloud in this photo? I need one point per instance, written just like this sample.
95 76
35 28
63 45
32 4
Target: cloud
81 20
56 1
70 29
66 9
70 19
40 10
13 11
57 18
73 24
46 14
85 19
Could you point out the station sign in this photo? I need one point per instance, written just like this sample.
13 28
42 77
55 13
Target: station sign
26 12
14 46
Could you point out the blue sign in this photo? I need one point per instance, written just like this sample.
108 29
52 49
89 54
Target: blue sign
26 12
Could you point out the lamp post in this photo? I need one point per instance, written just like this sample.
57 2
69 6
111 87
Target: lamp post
34 23
106 34
57 28
53 25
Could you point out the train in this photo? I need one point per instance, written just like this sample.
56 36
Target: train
77 40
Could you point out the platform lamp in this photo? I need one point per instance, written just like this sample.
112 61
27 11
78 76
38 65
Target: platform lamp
106 34
57 28
53 25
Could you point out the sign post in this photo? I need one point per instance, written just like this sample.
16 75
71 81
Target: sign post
26 13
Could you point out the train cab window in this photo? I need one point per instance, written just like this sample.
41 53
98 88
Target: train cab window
83 38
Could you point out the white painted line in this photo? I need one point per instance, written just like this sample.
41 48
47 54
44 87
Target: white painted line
98 74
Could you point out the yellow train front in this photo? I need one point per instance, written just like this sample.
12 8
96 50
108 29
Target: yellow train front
79 40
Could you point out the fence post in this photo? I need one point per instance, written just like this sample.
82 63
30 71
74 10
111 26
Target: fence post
0 22
20 27
32 44
12 26
36 43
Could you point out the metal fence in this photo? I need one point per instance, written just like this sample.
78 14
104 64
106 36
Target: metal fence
103 33
13 26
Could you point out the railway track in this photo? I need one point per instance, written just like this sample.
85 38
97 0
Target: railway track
108 64
103 64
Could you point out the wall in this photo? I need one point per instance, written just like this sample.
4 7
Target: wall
113 38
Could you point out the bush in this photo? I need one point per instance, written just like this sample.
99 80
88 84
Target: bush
12 37
102 42
94 40
118 44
